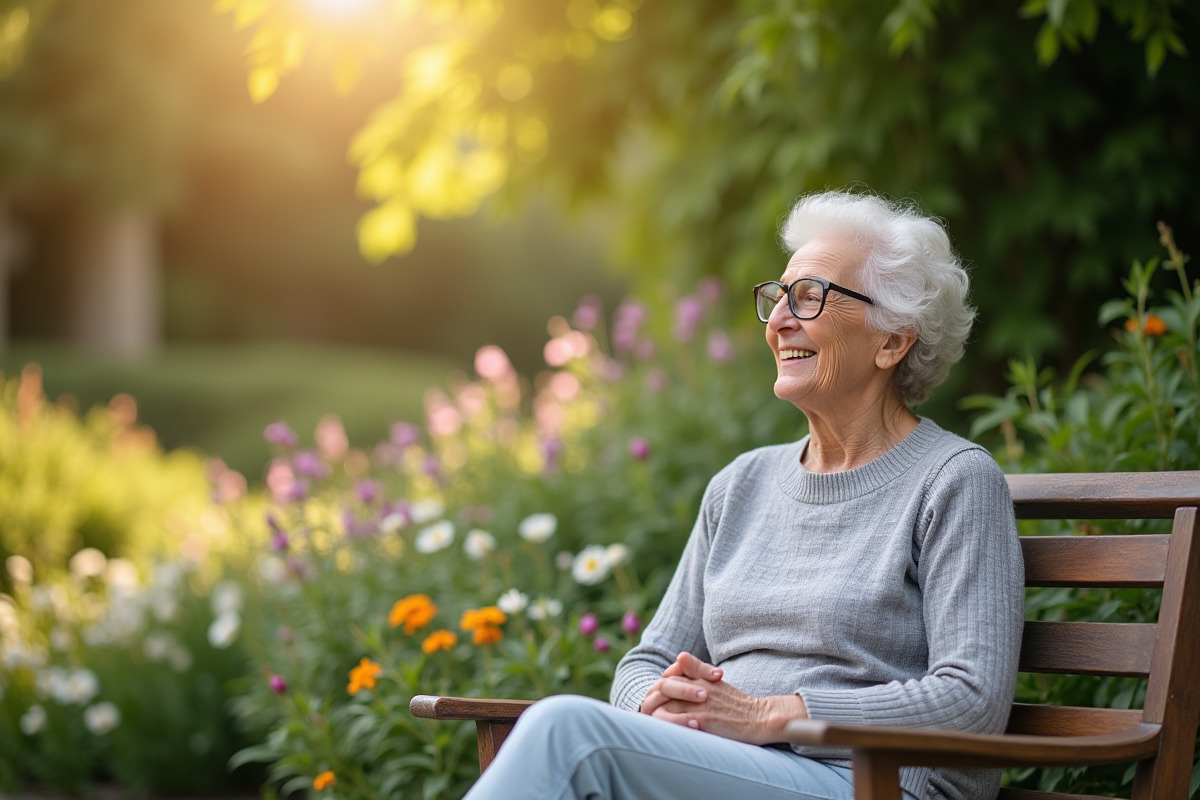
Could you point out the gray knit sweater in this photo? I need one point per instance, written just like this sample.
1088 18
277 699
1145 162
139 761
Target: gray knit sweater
888 594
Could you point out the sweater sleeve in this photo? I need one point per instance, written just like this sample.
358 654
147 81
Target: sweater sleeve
678 625
971 577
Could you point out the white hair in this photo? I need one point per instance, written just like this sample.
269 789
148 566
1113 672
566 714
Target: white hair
911 272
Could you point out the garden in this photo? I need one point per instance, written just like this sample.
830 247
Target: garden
177 623
511 543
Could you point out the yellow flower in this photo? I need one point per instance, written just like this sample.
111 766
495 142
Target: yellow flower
363 676
438 640
324 781
413 612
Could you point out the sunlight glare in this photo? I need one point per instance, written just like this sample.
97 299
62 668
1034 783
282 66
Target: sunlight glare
341 8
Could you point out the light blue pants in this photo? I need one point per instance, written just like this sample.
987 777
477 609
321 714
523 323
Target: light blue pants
568 747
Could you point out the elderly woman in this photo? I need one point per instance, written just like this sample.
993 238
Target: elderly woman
869 572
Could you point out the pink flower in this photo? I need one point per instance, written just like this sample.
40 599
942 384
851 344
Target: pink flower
720 349
688 313
639 448
278 684
367 491
630 623
588 624
331 438
600 645
587 314
309 465
491 363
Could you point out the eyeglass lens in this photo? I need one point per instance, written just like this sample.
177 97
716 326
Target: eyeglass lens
807 298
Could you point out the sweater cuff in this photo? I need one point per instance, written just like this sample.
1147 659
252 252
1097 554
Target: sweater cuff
632 693
832 706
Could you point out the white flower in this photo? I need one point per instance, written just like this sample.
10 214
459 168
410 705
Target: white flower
545 607
512 602
60 639
77 687
616 554
426 510
437 536
591 565
180 658
20 568
121 574
478 544
272 569
226 598
101 718
392 522
158 645
224 630
564 560
537 527
87 563
33 720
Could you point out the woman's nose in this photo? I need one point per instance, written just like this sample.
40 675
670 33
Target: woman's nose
781 316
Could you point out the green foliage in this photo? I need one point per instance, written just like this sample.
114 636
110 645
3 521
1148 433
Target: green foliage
606 452
68 482
112 674
1138 412
708 118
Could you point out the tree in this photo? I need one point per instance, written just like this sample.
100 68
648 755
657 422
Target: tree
1051 137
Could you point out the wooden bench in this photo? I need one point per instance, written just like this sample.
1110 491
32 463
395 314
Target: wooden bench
1160 738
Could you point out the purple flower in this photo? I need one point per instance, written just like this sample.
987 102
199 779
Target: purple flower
639 448
688 312
588 625
629 318
405 435
551 447
600 645
279 537
367 491
431 467
278 684
309 465
297 491
281 435
630 623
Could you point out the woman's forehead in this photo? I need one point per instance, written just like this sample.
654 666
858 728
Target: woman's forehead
833 259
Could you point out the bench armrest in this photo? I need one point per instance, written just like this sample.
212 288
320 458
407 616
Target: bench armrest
930 748
433 707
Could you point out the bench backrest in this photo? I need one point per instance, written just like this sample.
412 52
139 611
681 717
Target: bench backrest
1166 653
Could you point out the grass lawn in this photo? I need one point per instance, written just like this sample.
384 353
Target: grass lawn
218 398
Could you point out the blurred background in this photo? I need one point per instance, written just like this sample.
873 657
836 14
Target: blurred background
249 210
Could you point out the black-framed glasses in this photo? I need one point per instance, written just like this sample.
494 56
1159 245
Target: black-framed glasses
806 297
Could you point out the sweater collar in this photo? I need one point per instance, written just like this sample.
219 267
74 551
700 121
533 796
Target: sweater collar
834 487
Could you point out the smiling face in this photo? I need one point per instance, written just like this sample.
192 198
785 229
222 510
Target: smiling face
831 363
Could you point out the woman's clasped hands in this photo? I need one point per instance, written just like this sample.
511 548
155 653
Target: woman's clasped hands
693 694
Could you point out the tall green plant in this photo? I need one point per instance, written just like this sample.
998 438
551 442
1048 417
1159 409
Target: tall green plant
1134 407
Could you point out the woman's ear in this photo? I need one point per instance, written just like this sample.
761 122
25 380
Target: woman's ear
894 349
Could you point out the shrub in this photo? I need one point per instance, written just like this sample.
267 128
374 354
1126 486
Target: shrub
1139 412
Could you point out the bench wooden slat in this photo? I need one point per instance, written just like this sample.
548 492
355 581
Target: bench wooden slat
1117 561
1029 794
1035 720
1112 495
1088 648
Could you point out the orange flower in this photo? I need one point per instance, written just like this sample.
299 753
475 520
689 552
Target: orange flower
489 616
438 640
363 676
487 634
413 612
1153 326
324 780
